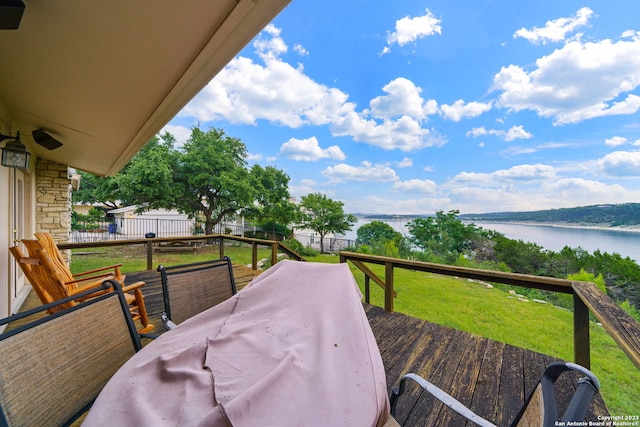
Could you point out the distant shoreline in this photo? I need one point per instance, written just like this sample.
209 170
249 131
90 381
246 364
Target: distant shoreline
630 228
407 218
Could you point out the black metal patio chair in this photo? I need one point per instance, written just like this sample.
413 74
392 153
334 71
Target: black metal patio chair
540 408
55 366
189 289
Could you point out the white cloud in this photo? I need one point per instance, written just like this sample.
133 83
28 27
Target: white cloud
254 157
615 141
459 110
180 133
270 47
515 132
410 29
577 82
583 189
406 162
378 204
481 131
366 172
300 50
556 30
518 173
306 186
245 92
621 164
308 150
403 99
424 186
405 133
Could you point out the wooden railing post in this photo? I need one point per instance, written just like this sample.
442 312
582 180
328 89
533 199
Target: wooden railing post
254 257
388 289
581 346
274 253
149 255
367 289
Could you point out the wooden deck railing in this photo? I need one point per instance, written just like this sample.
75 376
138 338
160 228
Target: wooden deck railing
276 246
586 297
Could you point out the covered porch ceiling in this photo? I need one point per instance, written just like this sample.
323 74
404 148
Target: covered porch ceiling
103 77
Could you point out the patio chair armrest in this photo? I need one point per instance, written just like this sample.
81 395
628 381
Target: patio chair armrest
114 267
439 394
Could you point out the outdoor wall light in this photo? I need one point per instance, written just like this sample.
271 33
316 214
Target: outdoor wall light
14 154
47 141
10 14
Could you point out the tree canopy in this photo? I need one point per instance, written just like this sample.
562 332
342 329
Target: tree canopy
323 215
444 235
207 178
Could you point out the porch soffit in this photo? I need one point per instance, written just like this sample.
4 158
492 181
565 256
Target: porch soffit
103 77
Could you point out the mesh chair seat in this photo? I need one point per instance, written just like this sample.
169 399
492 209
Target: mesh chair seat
190 289
54 367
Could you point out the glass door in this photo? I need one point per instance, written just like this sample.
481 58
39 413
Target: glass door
18 218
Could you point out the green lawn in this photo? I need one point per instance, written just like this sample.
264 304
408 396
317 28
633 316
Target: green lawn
491 313
459 304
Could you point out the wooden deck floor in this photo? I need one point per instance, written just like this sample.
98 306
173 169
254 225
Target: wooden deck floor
491 378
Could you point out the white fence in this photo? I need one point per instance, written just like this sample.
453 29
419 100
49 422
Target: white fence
139 228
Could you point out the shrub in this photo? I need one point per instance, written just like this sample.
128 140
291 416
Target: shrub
631 310
296 246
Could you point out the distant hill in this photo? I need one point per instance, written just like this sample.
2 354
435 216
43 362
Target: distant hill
621 215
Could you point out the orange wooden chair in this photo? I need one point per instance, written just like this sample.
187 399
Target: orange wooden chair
45 289
52 281
47 242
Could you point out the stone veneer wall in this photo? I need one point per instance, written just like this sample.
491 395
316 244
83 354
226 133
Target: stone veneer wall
53 200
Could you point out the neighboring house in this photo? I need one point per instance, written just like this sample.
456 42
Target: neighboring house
84 208
311 239
161 222
87 84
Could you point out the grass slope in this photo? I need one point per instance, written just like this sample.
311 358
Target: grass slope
495 314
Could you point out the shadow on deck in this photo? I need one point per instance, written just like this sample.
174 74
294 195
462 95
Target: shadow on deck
491 378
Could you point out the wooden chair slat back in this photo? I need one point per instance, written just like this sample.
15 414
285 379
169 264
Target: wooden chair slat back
56 259
27 266
42 277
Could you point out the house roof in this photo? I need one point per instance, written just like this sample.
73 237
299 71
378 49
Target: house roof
103 77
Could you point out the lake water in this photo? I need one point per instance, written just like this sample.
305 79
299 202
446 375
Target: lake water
551 237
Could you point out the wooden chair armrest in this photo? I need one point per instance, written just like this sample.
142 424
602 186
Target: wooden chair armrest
132 286
115 267
98 291
92 278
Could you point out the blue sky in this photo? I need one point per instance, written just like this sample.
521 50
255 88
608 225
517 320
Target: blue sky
413 106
